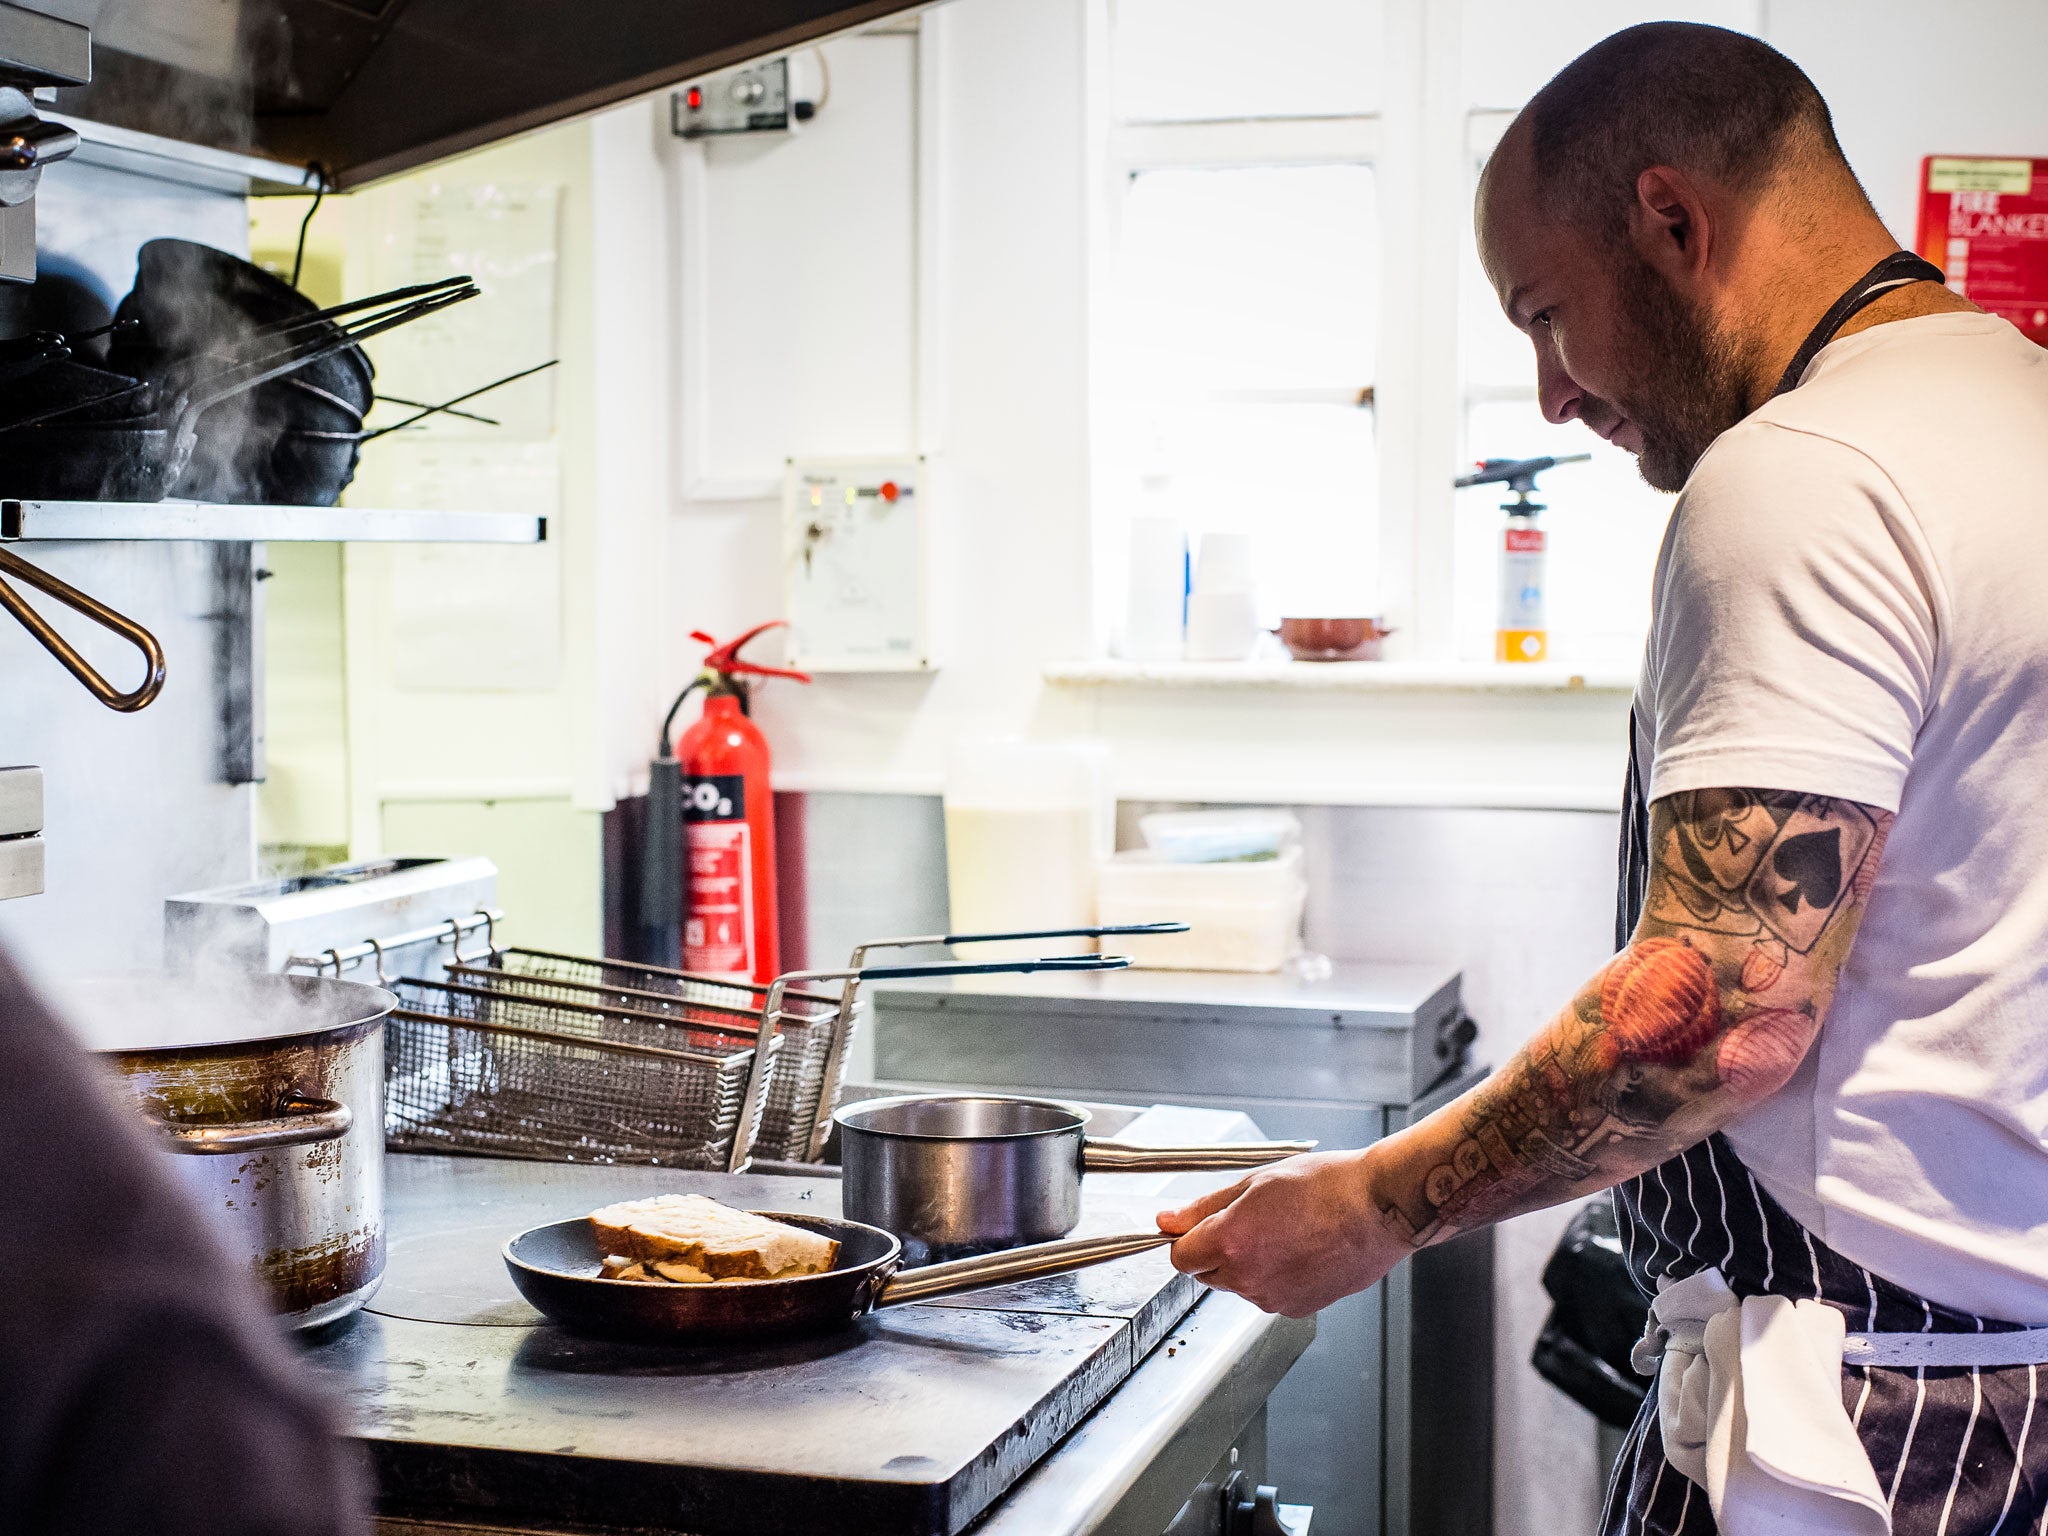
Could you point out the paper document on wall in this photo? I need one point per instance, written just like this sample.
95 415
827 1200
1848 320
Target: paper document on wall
479 618
507 238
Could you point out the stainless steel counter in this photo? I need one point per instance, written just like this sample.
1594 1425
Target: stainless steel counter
1092 1402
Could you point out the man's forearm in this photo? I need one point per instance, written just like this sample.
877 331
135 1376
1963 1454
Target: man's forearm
1708 1011
1752 905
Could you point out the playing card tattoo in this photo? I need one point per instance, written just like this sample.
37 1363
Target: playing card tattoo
1753 903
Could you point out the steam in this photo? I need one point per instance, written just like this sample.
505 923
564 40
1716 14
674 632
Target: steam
216 999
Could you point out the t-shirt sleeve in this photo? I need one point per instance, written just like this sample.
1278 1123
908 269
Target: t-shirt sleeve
1795 637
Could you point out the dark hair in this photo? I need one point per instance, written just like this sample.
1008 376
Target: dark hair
1675 93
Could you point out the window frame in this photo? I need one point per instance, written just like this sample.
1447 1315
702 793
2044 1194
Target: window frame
1129 149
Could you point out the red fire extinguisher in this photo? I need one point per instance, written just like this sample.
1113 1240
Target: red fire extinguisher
711 804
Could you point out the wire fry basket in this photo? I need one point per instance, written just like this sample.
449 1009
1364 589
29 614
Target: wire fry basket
812 1027
488 1069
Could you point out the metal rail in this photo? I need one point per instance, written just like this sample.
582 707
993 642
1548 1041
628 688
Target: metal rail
450 930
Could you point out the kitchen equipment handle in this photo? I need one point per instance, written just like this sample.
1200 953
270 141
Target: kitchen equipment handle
152 653
989 967
304 1120
771 1010
1113 931
948 968
1032 1263
1120 1157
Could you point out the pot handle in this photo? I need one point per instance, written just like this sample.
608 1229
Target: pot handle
1119 1157
304 1120
1032 1263
67 655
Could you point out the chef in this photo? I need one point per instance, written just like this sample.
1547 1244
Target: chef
1816 1073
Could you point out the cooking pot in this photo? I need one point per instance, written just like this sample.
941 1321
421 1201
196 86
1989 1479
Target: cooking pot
268 1094
955 1175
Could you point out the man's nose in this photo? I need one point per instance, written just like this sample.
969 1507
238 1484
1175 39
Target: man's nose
1556 391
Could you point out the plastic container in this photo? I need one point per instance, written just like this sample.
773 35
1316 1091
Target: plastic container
1240 916
1218 837
1026 824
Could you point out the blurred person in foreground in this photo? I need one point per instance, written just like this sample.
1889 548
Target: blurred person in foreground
148 1388
1816 1073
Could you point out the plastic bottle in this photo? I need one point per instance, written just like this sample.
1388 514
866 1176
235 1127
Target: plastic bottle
1521 633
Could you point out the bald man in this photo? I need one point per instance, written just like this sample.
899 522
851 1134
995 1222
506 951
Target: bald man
1816 1073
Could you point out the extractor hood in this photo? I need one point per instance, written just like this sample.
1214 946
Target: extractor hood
368 88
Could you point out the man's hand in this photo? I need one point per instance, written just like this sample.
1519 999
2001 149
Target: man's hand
1291 1238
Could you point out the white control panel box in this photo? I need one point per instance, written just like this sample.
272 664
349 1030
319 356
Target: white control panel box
857 564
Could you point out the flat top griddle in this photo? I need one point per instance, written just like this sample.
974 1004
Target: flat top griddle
909 1424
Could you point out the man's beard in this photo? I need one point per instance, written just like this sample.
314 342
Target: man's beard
1687 389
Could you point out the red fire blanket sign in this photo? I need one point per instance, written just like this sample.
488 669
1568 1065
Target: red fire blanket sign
1984 222
718 935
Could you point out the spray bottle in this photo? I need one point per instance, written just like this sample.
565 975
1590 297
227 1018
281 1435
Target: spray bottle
1521 631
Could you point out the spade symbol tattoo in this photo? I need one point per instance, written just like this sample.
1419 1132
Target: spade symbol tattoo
1811 863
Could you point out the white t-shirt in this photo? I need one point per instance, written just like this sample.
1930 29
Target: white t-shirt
1852 601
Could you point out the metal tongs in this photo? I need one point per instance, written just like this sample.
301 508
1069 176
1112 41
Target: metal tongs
66 654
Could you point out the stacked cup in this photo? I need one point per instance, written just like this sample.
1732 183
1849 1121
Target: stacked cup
1223 620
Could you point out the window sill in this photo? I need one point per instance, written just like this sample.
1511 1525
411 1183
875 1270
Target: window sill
1345 676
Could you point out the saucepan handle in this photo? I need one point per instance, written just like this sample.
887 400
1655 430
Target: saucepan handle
1121 1157
304 1120
1013 1264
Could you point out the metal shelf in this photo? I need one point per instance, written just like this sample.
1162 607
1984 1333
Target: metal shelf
207 522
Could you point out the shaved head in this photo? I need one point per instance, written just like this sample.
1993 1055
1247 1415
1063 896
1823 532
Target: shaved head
1719 105
1665 220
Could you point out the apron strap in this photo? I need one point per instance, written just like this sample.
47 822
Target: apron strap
1633 874
1895 271
1632 884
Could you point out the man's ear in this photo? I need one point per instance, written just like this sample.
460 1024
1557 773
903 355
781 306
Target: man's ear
1669 226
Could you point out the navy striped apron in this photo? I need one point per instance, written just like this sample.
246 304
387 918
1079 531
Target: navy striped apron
1956 1449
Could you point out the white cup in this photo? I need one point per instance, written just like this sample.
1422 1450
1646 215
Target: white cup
1222 626
1225 565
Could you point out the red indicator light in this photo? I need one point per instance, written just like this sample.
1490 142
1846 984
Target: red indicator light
889 491
693 98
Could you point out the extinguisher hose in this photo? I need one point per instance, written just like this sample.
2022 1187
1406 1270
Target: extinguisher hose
661 862
668 721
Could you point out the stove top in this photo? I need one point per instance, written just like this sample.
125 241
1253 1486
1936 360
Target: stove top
910 1423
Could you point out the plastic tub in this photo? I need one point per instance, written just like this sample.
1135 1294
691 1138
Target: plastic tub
1240 916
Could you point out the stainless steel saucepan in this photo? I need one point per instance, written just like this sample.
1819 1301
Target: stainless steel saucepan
960 1174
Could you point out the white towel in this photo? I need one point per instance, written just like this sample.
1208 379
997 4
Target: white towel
1749 1399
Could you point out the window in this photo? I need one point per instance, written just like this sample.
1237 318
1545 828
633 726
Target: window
1604 523
1238 293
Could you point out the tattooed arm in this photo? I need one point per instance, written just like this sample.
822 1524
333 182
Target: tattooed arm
1753 902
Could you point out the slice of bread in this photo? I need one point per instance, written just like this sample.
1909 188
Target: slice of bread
723 1243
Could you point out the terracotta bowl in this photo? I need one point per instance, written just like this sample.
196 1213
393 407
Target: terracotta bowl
1332 639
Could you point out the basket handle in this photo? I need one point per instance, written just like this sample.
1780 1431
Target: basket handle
63 650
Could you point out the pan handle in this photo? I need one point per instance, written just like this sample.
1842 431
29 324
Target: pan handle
1121 1157
152 653
1032 1263
304 1120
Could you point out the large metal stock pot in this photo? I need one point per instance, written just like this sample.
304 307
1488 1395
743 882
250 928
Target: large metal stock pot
268 1093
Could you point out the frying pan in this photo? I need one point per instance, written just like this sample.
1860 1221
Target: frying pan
556 1267
966 1173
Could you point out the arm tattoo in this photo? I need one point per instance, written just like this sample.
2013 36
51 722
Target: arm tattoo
1753 902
